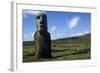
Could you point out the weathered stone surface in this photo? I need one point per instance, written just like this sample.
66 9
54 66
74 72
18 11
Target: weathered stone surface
42 38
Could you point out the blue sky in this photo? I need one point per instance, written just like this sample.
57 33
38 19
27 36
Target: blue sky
60 24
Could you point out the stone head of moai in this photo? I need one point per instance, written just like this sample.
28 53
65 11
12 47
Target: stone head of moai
41 20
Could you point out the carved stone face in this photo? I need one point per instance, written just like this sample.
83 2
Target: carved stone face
41 20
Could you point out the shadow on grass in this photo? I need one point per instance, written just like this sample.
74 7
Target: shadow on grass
61 50
30 57
83 51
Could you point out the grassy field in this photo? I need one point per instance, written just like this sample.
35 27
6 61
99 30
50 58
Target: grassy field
75 48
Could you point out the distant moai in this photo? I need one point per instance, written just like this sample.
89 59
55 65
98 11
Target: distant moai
42 38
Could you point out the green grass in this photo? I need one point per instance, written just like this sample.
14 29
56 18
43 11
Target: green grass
69 49
64 52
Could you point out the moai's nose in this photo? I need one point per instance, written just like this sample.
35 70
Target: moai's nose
41 21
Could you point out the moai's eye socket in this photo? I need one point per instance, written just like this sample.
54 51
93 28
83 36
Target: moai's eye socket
38 17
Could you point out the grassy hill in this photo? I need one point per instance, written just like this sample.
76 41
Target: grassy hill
72 48
77 39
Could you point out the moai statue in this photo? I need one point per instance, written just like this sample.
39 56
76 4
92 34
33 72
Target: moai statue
42 38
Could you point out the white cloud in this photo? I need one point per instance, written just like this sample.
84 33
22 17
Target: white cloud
29 35
53 28
73 22
34 12
79 34
76 34
32 34
53 36
25 36
86 32
31 12
59 35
